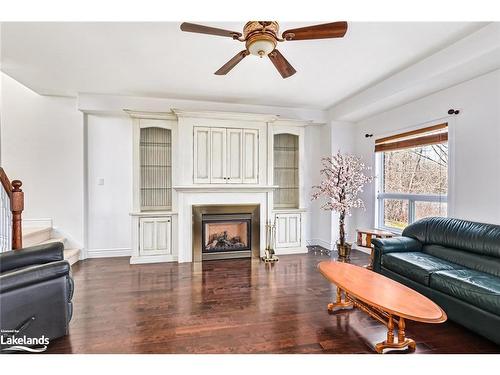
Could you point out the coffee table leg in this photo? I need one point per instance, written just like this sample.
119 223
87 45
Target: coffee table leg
339 304
389 343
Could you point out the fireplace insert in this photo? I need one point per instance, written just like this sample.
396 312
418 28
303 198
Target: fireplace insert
226 232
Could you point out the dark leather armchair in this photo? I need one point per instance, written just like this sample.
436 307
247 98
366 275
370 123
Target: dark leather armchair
454 262
35 292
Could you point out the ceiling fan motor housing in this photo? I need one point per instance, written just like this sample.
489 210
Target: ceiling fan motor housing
261 37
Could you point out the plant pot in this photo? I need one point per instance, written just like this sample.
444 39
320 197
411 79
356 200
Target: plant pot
344 252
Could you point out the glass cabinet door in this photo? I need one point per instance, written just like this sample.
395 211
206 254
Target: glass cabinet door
286 171
156 169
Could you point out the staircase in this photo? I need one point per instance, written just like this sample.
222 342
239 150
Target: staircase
42 235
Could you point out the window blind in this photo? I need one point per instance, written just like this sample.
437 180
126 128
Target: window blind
421 137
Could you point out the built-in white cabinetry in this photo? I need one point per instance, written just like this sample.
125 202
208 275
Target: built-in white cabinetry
153 193
185 158
226 155
288 230
155 236
287 165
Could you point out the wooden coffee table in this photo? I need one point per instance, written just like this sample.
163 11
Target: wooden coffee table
383 299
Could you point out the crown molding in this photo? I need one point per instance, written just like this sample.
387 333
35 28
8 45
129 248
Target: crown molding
239 116
295 122
151 115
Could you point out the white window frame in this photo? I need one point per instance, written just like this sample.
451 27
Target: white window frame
411 198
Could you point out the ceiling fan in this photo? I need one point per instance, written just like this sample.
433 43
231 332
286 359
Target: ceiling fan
261 38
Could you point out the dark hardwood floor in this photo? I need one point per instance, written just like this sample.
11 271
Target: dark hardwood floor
229 306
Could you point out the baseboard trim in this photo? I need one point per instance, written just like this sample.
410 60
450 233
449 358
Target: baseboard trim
108 253
152 259
290 250
362 249
319 242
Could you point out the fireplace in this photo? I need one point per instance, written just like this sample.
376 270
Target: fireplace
225 231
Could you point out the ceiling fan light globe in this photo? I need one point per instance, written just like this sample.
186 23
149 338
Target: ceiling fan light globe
261 47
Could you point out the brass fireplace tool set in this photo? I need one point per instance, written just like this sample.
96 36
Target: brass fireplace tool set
269 256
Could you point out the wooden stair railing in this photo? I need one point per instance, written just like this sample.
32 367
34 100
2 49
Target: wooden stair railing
16 196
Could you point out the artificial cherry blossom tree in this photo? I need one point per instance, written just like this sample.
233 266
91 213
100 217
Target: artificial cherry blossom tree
342 179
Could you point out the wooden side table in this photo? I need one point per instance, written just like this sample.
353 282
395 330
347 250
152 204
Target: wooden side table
369 234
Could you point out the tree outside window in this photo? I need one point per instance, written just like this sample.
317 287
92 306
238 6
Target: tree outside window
413 184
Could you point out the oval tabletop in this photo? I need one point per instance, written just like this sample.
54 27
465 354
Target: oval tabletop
382 292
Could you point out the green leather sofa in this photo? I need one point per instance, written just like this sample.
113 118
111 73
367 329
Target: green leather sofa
456 263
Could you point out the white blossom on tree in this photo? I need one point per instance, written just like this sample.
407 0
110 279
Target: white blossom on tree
342 180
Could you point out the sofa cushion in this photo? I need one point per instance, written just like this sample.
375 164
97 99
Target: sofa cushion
481 263
477 288
416 266
479 238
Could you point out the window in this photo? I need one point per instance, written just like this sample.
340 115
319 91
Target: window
413 176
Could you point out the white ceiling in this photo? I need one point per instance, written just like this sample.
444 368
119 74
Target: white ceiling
157 59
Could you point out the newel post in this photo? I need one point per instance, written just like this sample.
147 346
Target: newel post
17 207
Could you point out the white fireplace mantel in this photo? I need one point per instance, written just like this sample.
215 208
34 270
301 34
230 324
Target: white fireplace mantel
225 188
228 196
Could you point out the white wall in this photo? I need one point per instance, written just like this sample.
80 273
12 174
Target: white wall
474 145
317 145
320 142
342 139
42 145
109 205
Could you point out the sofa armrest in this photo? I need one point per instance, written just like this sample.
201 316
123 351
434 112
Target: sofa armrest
33 275
397 244
392 245
41 254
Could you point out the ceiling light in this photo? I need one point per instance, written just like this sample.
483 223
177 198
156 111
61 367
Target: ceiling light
261 47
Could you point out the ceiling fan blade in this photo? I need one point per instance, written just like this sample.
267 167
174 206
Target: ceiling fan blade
286 70
194 28
327 30
232 63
